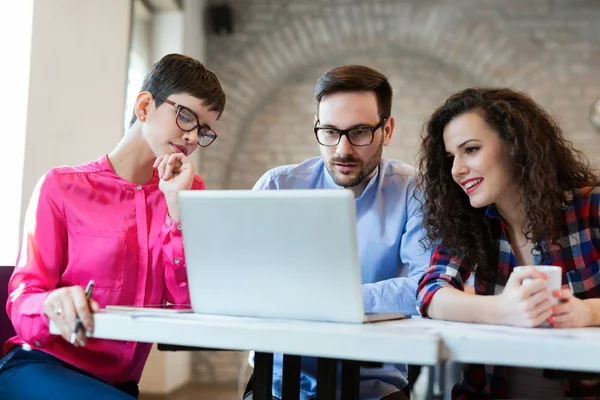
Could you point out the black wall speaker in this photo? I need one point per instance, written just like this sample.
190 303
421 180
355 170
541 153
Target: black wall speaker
221 19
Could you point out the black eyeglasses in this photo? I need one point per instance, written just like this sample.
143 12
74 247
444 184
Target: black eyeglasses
187 121
359 136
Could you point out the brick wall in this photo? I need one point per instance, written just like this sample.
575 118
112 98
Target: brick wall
428 49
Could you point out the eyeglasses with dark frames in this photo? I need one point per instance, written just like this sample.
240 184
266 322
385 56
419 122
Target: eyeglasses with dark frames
187 121
358 136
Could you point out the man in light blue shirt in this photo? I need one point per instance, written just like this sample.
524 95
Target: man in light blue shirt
352 125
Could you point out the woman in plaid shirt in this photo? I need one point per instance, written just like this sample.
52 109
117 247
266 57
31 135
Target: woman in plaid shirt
502 188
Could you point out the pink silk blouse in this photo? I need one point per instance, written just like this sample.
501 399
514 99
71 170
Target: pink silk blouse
87 223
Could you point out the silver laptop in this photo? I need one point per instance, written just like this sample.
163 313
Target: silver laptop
288 254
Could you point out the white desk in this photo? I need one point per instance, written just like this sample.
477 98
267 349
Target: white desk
389 342
413 341
568 349
556 349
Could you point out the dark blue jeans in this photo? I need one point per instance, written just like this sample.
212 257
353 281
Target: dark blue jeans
35 375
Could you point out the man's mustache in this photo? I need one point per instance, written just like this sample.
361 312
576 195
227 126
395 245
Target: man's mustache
345 160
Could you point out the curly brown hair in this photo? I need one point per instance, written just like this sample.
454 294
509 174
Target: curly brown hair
548 170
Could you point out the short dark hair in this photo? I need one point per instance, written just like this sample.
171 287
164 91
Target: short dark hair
356 78
176 73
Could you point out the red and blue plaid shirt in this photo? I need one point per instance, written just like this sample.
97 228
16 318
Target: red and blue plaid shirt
579 257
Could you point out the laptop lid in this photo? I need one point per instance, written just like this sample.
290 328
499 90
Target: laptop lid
275 253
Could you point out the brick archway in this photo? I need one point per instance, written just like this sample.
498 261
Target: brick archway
251 74
253 69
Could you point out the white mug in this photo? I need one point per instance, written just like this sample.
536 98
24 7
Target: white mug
554 277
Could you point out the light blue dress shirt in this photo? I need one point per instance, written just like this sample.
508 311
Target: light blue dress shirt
392 258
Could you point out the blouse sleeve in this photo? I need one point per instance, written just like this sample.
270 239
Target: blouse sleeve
40 262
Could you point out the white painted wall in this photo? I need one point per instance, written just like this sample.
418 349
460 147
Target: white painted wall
194 43
194 37
167 34
15 42
77 83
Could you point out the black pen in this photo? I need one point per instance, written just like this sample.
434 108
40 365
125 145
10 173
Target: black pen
88 294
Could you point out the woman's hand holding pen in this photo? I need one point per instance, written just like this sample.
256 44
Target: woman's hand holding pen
176 173
64 305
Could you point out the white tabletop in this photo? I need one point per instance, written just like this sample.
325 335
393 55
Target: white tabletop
412 341
398 341
568 349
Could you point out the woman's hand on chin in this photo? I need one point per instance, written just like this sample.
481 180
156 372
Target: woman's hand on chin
176 173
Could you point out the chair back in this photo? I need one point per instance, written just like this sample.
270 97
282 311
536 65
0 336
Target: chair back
6 328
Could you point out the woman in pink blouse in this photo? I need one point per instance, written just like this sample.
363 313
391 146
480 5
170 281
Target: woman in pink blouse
114 221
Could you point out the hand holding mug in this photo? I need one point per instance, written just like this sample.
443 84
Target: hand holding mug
526 299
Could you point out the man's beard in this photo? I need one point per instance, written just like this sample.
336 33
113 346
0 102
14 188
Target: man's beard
364 170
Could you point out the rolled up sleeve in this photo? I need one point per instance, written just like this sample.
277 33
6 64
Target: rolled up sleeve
445 270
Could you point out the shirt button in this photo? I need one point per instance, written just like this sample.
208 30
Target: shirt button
38 343
177 260
178 227
139 187
169 222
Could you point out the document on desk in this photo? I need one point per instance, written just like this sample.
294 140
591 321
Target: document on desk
190 315
152 308
131 312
